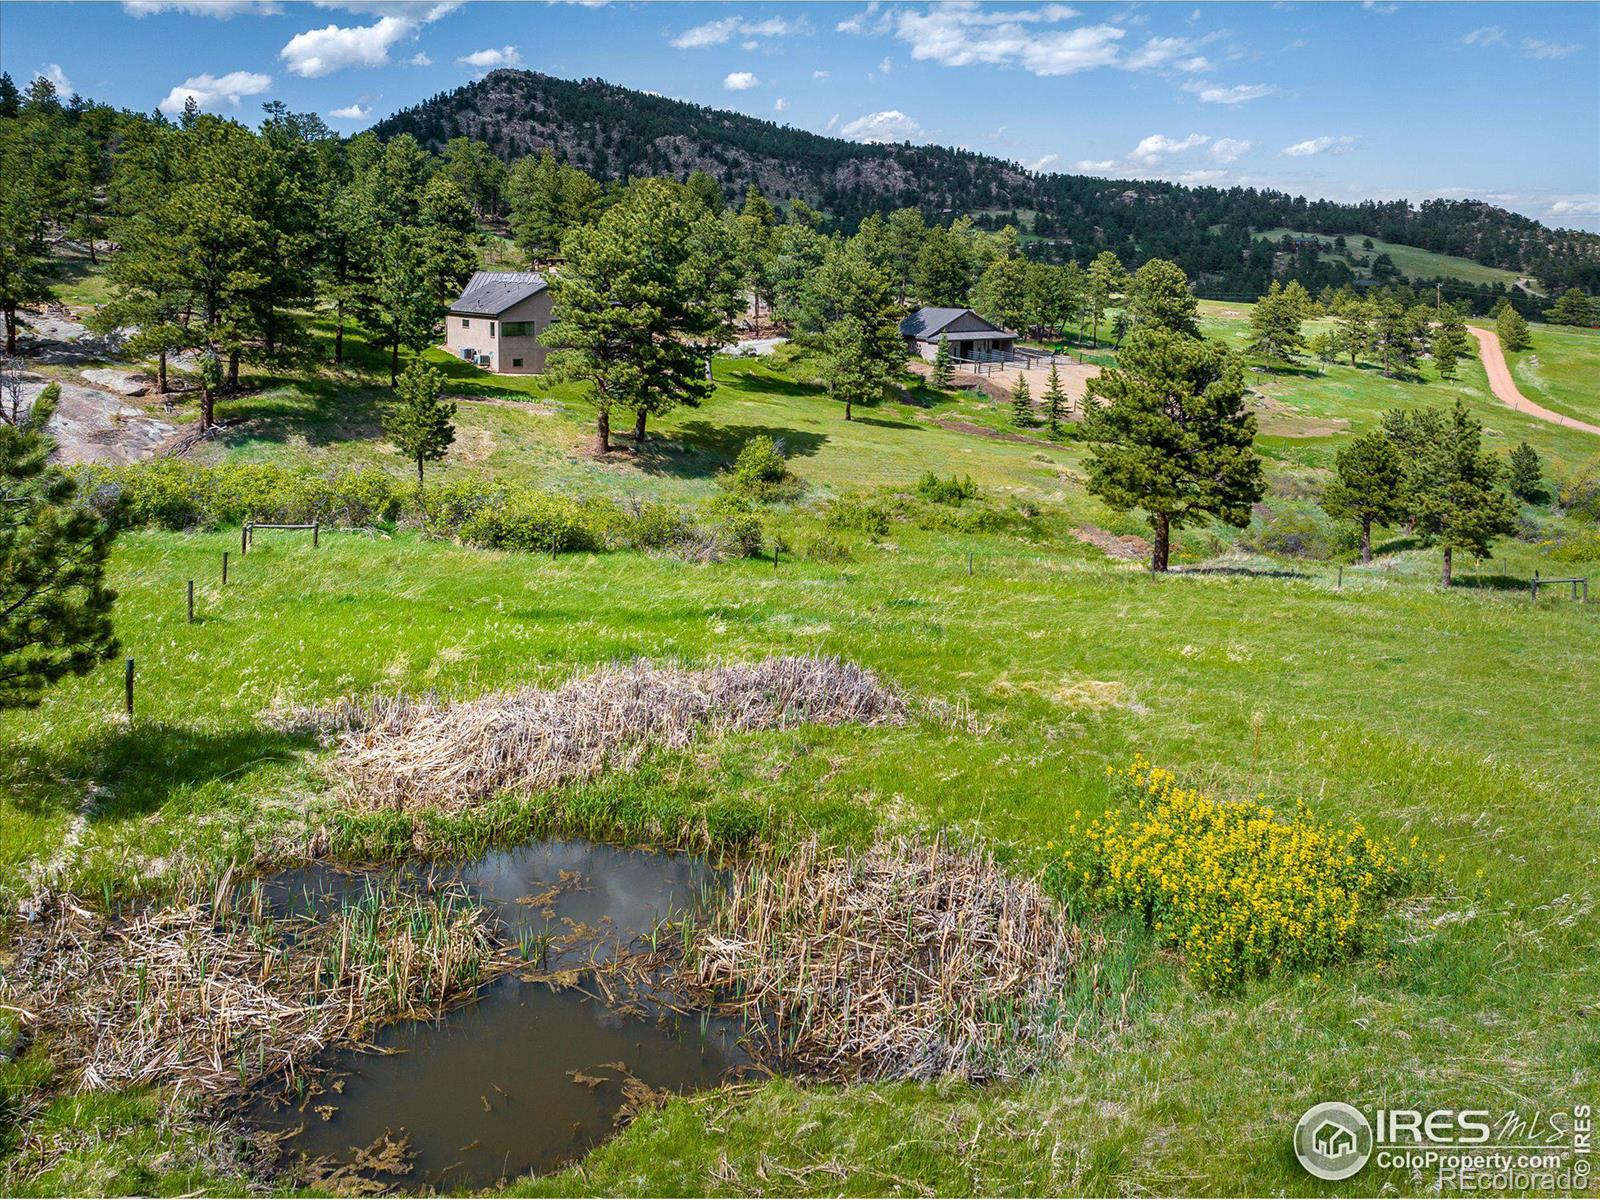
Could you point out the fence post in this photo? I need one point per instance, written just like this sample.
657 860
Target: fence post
1341 577
191 602
224 568
244 538
316 530
127 687
774 557
969 562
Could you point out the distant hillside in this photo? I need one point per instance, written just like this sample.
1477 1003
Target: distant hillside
615 132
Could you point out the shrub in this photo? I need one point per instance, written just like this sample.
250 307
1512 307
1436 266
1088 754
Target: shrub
651 525
451 505
1583 546
1292 531
823 547
534 522
171 494
1243 891
946 491
1579 494
761 472
859 513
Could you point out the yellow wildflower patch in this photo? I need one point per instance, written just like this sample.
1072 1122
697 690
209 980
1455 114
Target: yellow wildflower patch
1242 890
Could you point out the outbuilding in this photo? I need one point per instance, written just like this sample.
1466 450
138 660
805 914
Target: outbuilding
496 322
971 336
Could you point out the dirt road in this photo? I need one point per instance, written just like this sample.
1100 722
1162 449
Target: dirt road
1505 388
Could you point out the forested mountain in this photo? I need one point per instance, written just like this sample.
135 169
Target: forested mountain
615 132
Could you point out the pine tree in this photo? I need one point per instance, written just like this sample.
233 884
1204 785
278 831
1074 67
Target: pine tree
1454 494
1173 435
1512 330
1159 295
630 318
419 423
1572 308
944 368
1056 404
1106 280
864 352
1276 322
1526 476
55 609
1367 487
1353 321
1021 403
1450 342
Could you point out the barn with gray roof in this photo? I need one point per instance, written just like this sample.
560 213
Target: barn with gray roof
971 336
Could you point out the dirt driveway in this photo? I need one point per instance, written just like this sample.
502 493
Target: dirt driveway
1505 388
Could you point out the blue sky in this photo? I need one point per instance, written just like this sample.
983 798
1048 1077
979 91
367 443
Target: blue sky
1345 101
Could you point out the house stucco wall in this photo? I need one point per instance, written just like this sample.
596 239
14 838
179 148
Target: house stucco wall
472 330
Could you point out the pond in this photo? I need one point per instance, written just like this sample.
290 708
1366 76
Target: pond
531 1075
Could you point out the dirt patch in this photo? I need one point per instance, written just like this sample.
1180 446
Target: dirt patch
994 435
1124 546
403 752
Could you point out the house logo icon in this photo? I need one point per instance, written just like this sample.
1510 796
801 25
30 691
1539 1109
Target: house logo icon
1333 1141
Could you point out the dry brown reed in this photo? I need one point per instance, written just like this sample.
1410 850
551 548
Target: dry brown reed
216 998
906 960
405 752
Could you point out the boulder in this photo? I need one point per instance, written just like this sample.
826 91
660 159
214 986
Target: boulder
124 383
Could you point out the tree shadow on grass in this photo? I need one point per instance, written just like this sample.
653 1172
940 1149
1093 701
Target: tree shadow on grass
772 385
1245 572
142 768
1505 583
699 449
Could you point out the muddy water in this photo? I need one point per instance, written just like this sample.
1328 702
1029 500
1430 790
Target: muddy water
530 1076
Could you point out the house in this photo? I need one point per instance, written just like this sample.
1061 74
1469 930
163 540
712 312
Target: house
496 322
971 336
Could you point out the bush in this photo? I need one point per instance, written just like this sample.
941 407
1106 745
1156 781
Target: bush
825 548
1579 493
1292 531
946 491
761 472
535 522
171 494
651 525
871 515
1243 891
1576 548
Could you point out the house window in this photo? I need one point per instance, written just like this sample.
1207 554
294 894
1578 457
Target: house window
466 324
516 362
491 328
517 329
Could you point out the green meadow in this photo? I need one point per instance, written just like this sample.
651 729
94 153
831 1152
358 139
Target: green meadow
1457 718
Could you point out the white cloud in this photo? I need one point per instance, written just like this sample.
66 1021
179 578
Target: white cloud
1577 206
420 59
1194 64
869 20
833 122
351 112
222 9
1041 163
819 74
723 30
1238 93
1157 52
214 92
781 105
1383 9
1209 177
58 77
1096 165
962 34
890 125
412 10
1159 145
488 60
1485 35
1320 145
1228 149
1535 48
884 65
319 52
740 81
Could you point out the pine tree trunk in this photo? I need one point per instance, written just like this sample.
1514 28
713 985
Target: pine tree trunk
338 339
1161 552
1366 540
92 259
602 433
11 328
1449 573
847 410
161 372
638 426
233 371
394 362
206 406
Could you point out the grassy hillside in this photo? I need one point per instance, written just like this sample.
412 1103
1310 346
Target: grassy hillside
1413 261
1445 717
1559 370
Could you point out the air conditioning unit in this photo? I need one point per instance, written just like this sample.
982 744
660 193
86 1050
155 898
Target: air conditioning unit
469 355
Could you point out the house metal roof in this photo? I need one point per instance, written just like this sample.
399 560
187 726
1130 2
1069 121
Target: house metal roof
925 324
490 293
